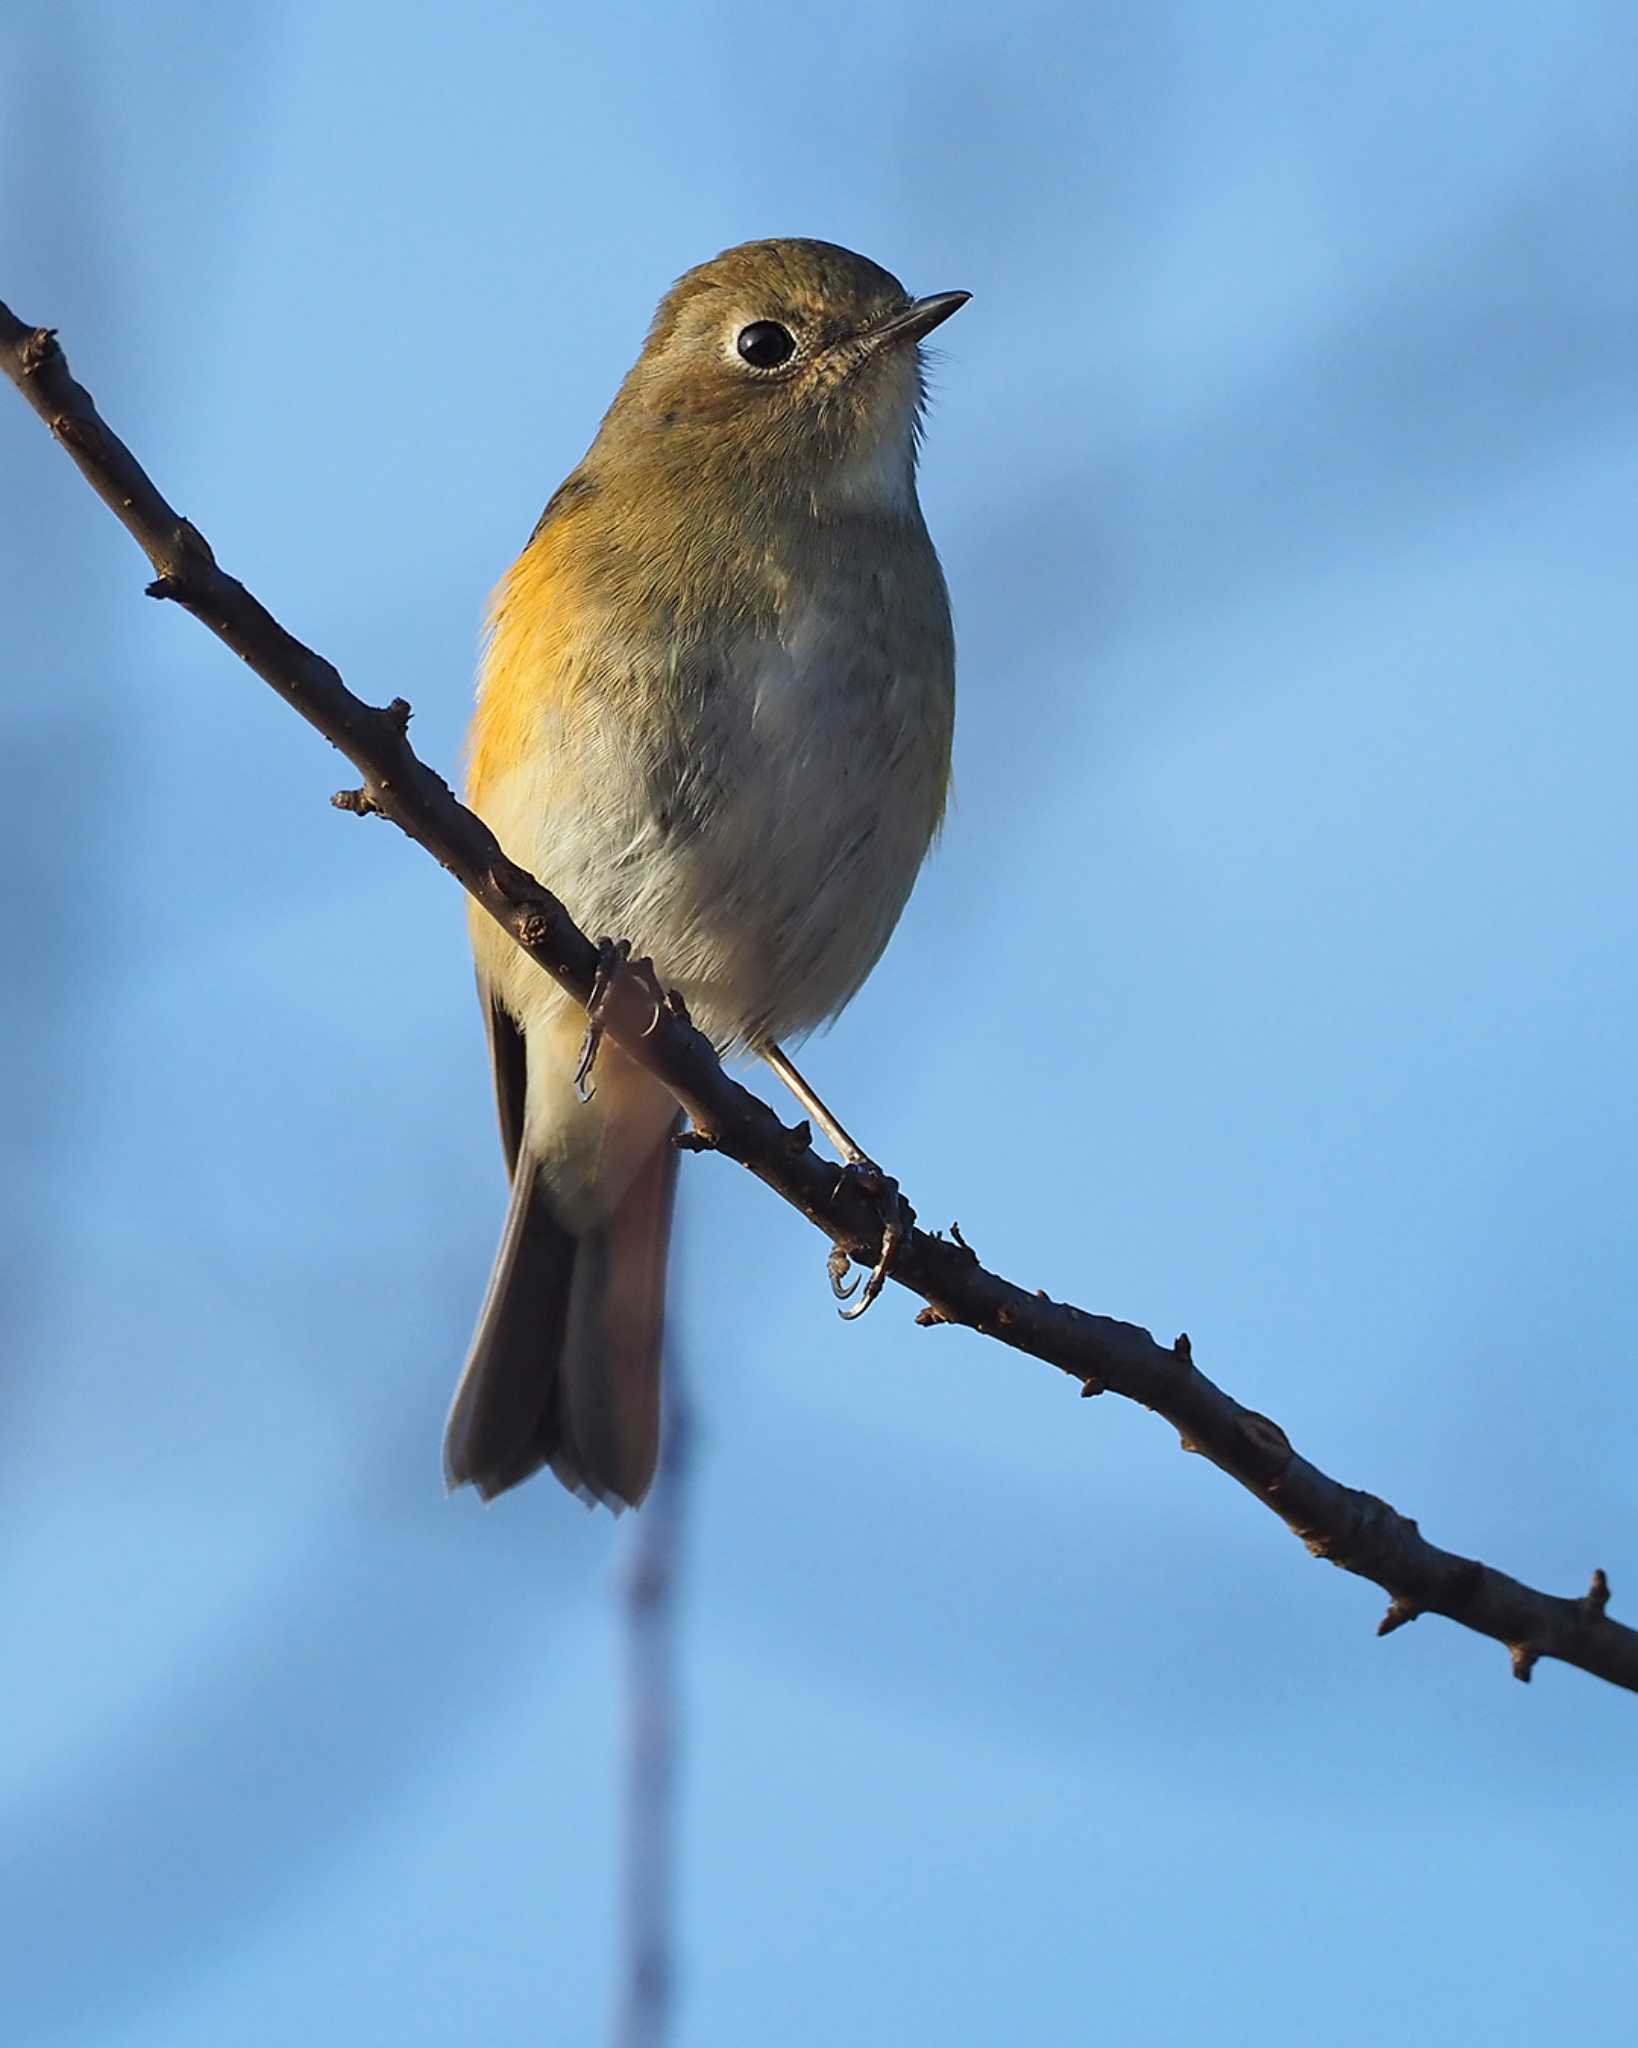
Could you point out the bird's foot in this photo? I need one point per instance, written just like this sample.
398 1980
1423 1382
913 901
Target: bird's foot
617 972
897 1220
612 955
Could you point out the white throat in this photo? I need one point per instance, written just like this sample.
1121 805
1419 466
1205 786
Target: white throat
879 476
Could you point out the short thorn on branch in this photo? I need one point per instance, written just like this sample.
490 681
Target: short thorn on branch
1400 1610
359 803
1525 1658
38 349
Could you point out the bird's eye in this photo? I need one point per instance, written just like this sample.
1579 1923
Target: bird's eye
765 344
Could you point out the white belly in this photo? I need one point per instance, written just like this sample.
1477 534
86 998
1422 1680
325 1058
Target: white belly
753 821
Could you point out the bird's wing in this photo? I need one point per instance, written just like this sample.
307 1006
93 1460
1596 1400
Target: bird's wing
507 1055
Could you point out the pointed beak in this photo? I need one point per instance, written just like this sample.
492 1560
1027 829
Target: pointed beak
918 319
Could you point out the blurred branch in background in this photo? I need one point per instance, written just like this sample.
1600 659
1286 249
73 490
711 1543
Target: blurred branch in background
653 1725
1355 1530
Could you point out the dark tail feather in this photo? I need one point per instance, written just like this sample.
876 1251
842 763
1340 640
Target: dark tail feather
565 1367
504 1403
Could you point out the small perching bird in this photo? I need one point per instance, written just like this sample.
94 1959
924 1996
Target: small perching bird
715 715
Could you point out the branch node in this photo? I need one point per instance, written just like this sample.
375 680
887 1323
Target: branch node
961 1243
1400 1610
82 436
192 545
1266 1437
799 1138
1090 1389
358 801
534 928
398 715
162 587
1525 1656
1183 1349
1597 1596
694 1140
930 1317
37 350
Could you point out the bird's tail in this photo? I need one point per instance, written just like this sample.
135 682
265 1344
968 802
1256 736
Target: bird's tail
565 1367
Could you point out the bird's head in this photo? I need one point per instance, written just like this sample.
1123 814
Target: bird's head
785 364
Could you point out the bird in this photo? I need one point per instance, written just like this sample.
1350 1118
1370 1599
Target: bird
715 713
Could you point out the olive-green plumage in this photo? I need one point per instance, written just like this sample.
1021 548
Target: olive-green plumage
715 715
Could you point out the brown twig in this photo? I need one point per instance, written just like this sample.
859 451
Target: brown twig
1355 1530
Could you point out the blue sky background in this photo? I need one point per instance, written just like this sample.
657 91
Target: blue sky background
1275 981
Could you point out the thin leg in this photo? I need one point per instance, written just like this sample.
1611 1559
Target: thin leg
850 1149
895 1214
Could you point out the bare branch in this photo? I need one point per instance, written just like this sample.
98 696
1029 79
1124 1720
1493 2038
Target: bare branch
1354 1530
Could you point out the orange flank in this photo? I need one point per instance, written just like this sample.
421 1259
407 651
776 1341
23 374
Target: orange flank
532 624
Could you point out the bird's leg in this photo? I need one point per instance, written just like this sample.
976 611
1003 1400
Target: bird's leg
896 1216
850 1149
612 955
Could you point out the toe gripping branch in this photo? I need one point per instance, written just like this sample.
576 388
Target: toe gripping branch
896 1219
619 977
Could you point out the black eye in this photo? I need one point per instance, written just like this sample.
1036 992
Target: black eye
765 344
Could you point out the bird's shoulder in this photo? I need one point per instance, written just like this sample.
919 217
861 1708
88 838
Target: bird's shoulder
536 615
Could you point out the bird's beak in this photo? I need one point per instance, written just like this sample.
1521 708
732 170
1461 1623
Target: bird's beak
918 319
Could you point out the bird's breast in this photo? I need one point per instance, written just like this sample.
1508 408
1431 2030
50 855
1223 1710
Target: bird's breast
747 798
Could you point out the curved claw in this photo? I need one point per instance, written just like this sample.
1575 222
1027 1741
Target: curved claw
612 955
892 1238
897 1219
584 1086
836 1266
